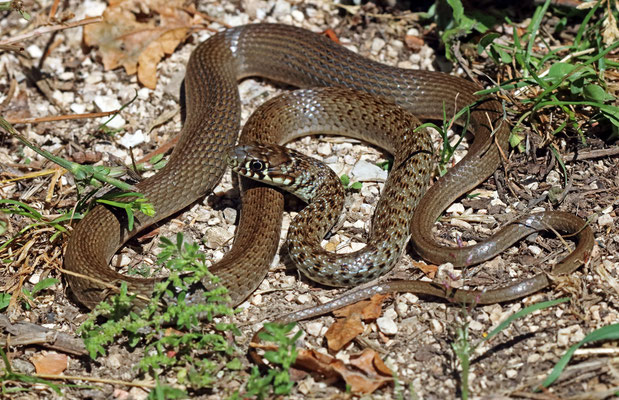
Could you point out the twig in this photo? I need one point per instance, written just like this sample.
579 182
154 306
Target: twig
48 29
97 380
60 117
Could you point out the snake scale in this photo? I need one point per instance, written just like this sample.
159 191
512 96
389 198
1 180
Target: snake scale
303 59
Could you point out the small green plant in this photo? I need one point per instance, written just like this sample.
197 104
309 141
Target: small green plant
93 175
14 207
355 186
564 78
463 348
610 332
278 378
15 6
190 352
38 287
447 150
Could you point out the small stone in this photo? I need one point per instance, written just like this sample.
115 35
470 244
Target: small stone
281 8
455 208
535 250
533 358
34 279
605 220
303 298
34 51
22 366
553 178
324 149
230 215
314 328
365 171
387 325
107 103
256 299
377 45
129 140
511 373
297 15
217 237
436 326
78 108
476 325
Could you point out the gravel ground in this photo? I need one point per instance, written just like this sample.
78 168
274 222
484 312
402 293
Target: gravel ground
414 335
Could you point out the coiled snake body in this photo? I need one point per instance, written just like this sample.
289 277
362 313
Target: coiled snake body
300 58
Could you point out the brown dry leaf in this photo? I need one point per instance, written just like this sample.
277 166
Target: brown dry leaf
330 367
50 363
140 45
415 43
343 331
370 362
429 270
369 309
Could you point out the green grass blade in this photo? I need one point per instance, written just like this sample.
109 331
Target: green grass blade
523 312
610 332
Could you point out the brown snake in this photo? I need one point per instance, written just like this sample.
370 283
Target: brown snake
300 58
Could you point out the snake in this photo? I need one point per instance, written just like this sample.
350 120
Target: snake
300 58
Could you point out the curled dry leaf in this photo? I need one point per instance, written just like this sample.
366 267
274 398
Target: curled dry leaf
429 270
138 46
365 374
350 326
369 309
50 363
343 331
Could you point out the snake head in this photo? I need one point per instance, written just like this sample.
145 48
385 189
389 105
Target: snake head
262 162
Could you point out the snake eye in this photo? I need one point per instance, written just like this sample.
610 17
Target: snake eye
256 166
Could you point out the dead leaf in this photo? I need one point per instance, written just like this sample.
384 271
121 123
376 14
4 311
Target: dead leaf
50 363
369 309
370 362
138 46
343 331
415 43
365 380
429 270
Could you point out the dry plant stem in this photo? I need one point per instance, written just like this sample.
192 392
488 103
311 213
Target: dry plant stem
96 380
48 29
60 117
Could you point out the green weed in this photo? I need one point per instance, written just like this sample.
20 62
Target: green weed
464 348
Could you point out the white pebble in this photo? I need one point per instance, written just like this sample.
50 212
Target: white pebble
129 140
303 298
256 299
217 237
535 250
511 373
230 215
324 149
387 325
365 171
377 45
78 108
456 208
314 328
107 103
34 51
297 15
605 220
